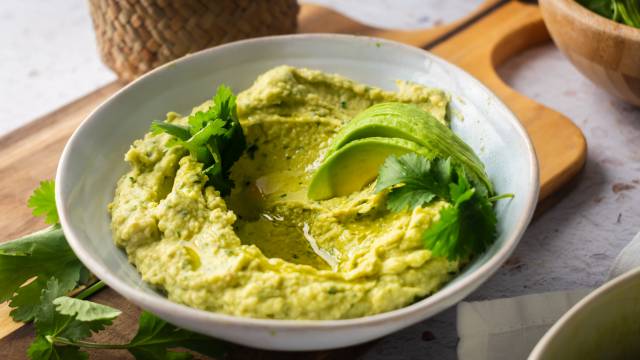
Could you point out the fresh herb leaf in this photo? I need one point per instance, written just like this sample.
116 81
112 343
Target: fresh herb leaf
36 257
63 323
43 202
466 227
27 264
214 137
58 324
84 310
181 132
26 301
155 336
442 237
39 270
414 180
42 349
61 316
404 198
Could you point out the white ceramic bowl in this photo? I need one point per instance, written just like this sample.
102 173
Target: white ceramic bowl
603 325
92 162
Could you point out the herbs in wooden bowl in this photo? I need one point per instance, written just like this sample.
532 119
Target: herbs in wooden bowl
602 39
623 11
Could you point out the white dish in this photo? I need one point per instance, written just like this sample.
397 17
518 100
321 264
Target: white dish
603 325
92 162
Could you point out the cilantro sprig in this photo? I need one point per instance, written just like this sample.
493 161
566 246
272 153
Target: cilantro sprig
39 271
26 264
413 181
43 202
64 324
466 227
36 257
214 137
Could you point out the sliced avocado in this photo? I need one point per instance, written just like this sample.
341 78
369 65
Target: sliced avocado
409 122
356 164
389 120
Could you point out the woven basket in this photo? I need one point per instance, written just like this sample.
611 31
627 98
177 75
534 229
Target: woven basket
134 36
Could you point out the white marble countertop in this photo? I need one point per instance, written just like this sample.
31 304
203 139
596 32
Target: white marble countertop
48 58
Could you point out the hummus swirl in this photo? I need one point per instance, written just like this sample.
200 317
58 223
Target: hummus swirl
267 251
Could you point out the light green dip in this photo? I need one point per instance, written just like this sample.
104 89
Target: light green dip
267 251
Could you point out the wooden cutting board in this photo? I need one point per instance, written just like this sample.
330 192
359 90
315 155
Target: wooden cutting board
479 43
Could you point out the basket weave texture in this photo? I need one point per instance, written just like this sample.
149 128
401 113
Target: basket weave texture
134 36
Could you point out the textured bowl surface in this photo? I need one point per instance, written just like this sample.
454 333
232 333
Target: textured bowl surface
92 162
603 325
606 52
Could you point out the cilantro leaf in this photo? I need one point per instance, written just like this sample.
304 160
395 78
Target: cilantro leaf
71 319
43 202
84 310
233 143
442 237
214 137
414 180
181 132
404 198
26 300
36 273
36 257
42 349
466 227
47 321
199 146
155 336
224 102
62 321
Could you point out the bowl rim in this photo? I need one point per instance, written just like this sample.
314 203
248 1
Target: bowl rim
575 310
468 284
591 19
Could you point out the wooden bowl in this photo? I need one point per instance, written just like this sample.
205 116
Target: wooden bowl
606 52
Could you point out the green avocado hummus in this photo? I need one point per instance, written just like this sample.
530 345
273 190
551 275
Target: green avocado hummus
266 250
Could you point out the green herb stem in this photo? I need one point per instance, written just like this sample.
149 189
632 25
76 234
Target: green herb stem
500 197
56 340
97 286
